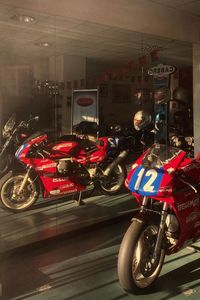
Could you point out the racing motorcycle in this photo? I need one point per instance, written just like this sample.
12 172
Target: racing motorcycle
166 184
14 134
63 167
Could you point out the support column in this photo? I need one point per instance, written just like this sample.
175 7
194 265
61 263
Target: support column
66 68
74 69
196 96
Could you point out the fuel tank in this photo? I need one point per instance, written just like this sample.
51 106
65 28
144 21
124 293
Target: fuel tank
65 148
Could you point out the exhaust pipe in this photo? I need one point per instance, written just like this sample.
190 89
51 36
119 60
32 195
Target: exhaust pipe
118 160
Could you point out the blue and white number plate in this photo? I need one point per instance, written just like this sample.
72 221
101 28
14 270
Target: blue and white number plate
146 182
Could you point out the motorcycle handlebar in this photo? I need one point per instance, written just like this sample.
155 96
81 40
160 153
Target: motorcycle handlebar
25 124
186 180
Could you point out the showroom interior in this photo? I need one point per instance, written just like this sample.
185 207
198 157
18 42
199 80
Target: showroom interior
50 49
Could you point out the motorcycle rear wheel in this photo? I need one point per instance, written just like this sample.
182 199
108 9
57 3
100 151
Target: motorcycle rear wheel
10 197
114 183
137 268
4 164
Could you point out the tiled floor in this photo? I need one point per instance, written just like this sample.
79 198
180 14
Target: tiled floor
81 264
84 268
49 218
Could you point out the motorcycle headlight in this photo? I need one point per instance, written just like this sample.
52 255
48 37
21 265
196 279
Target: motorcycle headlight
5 134
9 126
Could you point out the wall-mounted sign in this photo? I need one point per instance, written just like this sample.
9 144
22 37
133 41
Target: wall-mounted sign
161 70
85 106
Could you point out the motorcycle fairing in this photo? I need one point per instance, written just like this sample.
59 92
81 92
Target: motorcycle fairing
63 148
59 185
153 181
183 200
20 150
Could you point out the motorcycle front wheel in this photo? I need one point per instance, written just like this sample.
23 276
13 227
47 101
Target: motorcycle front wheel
12 198
114 183
137 267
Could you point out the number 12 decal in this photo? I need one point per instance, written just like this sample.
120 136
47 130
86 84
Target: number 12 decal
145 181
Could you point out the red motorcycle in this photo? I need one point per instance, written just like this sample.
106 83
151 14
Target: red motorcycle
14 134
60 168
166 184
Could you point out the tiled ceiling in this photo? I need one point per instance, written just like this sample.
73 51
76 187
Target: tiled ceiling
189 6
20 42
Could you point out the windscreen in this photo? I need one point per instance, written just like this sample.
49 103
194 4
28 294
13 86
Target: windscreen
10 124
159 155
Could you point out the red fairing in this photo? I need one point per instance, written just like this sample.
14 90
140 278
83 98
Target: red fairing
57 186
182 198
64 147
44 158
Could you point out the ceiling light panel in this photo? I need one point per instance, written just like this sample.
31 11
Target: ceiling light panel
23 18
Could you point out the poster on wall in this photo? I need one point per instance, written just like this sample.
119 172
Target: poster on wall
85 106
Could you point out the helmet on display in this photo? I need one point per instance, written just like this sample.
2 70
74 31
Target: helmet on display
180 94
161 95
177 141
141 120
115 129
118 128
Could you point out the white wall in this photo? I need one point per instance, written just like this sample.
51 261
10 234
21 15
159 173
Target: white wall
196 95
41 70
74 69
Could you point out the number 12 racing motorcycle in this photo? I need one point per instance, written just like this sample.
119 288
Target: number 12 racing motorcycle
166 184
60 168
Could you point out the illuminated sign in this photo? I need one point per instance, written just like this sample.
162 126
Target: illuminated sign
161 70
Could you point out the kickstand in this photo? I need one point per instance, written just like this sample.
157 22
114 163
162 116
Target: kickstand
80 201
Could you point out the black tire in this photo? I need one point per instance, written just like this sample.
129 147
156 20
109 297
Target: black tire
9 184
114 183
136 270
4 164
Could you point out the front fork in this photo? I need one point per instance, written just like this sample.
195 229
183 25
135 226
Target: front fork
24 180
161 229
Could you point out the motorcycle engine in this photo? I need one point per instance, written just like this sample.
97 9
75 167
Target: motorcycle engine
68 167
65 166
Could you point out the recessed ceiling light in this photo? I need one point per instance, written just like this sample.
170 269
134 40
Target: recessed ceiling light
43 44
23 18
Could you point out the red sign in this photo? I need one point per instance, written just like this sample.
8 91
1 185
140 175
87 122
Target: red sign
85 101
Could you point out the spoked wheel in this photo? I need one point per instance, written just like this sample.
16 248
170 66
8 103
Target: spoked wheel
15 200
113 183
137 267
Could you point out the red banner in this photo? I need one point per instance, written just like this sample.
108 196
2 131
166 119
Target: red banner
154 55
143 60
